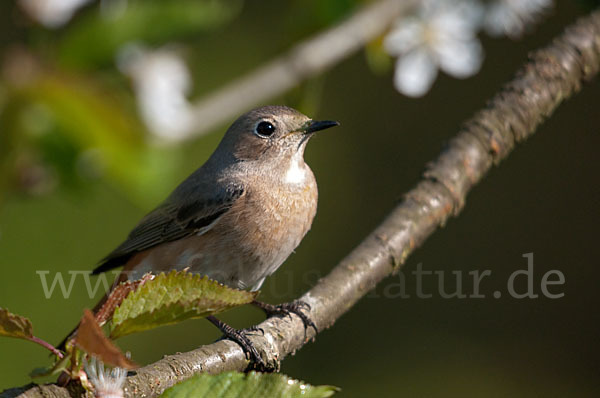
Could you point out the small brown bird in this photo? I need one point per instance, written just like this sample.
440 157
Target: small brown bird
238 217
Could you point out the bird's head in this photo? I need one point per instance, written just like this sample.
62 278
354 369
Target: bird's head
271 133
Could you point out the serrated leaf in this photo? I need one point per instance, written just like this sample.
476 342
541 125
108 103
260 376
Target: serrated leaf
171 298
92 340
246 385
116 297
12 325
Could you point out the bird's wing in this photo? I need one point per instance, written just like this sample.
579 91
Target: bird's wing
171 222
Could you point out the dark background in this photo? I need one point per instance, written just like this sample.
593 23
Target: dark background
542 199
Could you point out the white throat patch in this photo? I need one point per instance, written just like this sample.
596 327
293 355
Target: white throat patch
296 174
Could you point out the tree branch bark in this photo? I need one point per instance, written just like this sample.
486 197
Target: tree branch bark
551 75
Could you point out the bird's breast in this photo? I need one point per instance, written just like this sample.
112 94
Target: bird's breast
271 219
278 214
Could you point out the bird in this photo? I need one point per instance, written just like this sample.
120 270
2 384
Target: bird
238 217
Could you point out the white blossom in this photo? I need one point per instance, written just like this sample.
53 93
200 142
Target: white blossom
51 13
108 383
442 34
161 82
513 17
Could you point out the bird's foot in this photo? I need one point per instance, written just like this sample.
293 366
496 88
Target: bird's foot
240 337
285 309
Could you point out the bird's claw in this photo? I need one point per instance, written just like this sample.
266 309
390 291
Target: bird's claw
286 309
240 337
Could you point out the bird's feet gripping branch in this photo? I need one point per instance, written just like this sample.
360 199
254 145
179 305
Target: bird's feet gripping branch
240 337
285 309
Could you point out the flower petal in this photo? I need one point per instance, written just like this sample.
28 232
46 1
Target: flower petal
415 73
459 19
460 58
513 17
407 34
52 13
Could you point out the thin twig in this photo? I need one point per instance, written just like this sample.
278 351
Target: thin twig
552 75
47 346
303 61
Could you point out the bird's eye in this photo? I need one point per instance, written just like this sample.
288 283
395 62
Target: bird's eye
265 129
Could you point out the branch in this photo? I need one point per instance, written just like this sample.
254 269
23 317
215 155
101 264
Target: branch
552 75
303 61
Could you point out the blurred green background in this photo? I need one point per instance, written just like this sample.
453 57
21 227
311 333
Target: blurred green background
78 169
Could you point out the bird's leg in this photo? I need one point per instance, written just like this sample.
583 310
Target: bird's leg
239 336
294 307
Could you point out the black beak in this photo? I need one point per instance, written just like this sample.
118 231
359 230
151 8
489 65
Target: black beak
314 125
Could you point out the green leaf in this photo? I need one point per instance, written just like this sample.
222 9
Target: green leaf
247 385
59 366
12 325
96 120
94 38
171 298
